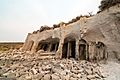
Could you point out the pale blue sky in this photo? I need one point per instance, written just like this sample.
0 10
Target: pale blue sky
19 17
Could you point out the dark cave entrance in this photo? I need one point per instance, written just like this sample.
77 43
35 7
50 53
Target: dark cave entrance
54 47
83 49
73 45
49 45
68 50
64 50
43 46
101 51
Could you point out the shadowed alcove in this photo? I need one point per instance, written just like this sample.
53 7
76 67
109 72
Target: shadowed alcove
49 45
101 52
83 49
68 50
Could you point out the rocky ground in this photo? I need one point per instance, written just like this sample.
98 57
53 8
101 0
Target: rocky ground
111 70
17 65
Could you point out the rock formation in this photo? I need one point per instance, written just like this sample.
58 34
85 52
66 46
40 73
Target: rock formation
87 38
17 65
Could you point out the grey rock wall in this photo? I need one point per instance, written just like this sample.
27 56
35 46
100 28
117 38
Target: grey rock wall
101 33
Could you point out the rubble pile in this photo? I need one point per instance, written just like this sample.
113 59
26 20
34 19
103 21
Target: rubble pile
17 65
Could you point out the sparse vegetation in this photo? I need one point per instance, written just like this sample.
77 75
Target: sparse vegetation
105 4
13 45
45 27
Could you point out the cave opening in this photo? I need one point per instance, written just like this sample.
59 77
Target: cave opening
54 46
57 44
45 47
50 45
101 51
42 46
68 50
82 49
64 50
73 45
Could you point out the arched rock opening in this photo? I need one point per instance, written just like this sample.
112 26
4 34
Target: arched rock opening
97 51
68 50
101 52
49 45
83 50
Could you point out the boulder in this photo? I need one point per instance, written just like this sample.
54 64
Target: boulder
46 77
71 78
55 77
34 71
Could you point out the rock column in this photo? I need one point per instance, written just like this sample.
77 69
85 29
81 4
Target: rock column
50 46
77 50
35 45
68 50
56 47
59 51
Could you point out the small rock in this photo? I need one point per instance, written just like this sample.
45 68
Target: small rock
80 70
62 66
46 68
9 75
34 71
46 77
73 78
88 71
74 71
40 51
67 71
74 75
28 77
1 78
62 72
45 72
79 75
38 76
55 77
67 77
91 77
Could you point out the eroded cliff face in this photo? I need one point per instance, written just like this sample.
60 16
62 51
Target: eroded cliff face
93 38
105 27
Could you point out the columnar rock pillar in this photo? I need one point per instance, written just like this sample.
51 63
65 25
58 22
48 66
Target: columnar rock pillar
92 50
105 53
59 51
86 49
56 47
68 50
50 46
77 49
35 45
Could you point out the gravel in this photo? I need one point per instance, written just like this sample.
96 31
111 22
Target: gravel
18 65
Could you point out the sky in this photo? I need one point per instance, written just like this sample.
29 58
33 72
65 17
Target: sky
20 17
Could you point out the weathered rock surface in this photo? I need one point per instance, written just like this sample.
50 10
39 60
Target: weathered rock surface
99 33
